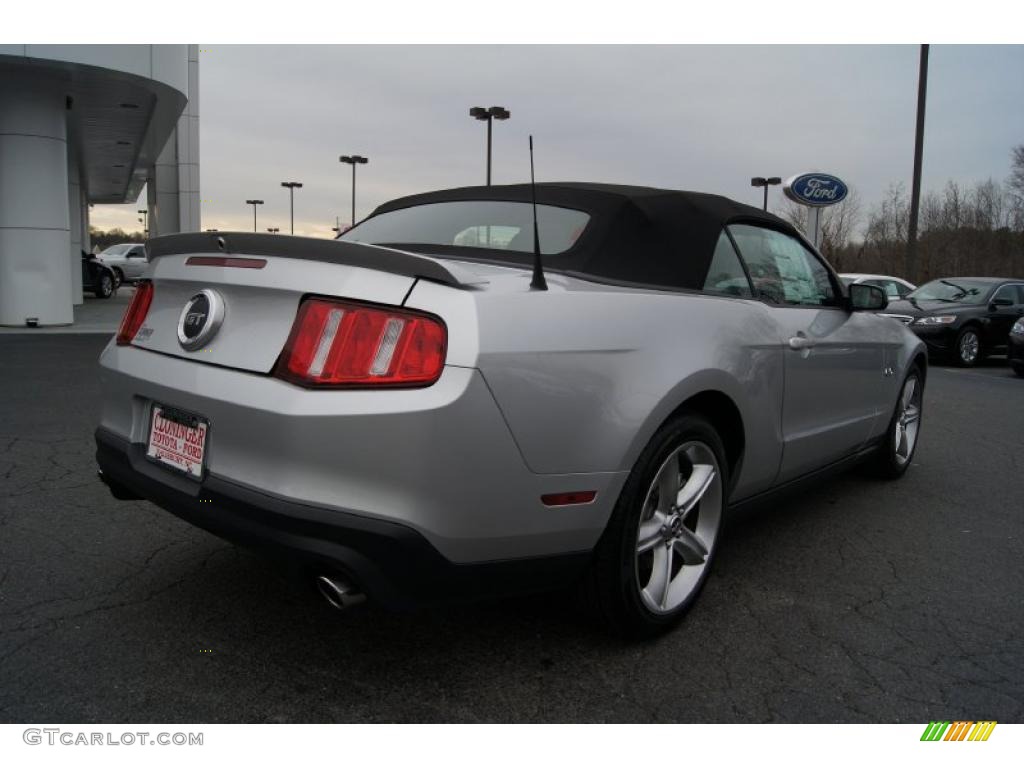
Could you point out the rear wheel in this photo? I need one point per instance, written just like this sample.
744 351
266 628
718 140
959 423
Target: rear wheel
968 350
656 552
105 286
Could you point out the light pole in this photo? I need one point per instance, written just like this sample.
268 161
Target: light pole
761 181
273 230
489 114
353 160
254 203
915 189
291 190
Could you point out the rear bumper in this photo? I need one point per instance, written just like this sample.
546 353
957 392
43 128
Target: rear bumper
439 460
393 563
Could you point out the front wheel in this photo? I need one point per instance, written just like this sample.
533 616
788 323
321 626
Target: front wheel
118 277
656 552
968 349
896 452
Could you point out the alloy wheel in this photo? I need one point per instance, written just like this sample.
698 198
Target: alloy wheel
679 525
908 420
970 346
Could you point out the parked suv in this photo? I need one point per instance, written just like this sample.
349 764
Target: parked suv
128 260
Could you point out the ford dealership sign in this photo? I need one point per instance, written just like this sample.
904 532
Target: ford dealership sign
815 189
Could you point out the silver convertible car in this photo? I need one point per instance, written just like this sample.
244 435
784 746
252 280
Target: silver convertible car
442 405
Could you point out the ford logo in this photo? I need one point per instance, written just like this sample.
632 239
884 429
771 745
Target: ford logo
815 189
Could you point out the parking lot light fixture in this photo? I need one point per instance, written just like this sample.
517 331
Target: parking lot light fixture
762 181
490 114
353 160
292 186
254 203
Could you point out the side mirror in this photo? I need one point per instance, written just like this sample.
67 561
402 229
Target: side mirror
1000 303
867 298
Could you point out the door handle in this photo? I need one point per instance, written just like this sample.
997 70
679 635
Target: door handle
800 342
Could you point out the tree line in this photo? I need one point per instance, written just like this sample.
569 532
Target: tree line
963 229
103 239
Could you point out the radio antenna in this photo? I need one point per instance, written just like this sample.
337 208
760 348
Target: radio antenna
538 283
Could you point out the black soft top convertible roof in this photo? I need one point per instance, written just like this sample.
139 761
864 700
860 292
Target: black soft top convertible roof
643 235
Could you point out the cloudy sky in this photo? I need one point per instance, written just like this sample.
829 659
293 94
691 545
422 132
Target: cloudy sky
690 117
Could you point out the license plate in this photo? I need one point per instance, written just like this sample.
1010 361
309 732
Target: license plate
177 440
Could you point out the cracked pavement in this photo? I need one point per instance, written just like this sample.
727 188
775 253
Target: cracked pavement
853 601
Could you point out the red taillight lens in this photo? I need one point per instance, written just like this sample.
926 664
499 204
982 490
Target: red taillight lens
136 313
338 344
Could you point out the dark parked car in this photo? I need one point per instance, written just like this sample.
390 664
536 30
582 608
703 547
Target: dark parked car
1016 349
98 277
963 318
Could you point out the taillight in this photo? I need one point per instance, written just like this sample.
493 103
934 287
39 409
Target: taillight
136 313
339 344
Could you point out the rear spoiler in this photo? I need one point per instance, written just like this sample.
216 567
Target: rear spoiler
313 249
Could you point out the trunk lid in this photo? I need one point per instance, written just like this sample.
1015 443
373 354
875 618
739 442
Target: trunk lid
260 304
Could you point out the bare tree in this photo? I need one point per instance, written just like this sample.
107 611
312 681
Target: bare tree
1015 188
964 229
839 223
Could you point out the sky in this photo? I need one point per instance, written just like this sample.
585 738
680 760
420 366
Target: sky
693 117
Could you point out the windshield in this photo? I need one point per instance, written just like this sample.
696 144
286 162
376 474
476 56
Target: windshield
505 226
117 250
953 289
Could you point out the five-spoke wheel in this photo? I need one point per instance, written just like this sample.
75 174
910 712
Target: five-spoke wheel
658 547
678 526
897 450
908 418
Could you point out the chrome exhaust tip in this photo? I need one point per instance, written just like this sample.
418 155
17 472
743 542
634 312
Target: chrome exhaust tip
339 593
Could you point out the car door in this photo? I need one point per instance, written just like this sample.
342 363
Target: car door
1005 306
834 358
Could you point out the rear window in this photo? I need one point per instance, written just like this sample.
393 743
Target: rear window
117 250
495 225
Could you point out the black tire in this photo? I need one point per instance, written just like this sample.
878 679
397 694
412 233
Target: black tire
118 277
1018 369
105 286
960 357
886 463
612 584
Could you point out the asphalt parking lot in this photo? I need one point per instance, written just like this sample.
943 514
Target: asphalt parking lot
857 601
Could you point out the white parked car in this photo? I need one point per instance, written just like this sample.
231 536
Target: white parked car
894 287
128 260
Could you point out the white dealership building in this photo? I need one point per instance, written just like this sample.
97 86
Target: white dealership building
86 124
